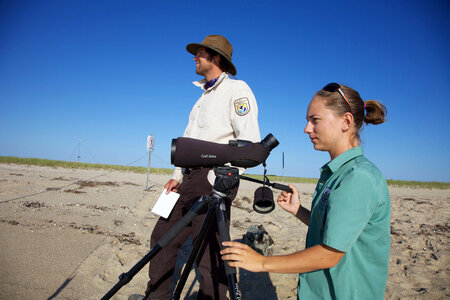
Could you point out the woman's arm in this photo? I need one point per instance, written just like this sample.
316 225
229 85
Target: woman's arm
310 259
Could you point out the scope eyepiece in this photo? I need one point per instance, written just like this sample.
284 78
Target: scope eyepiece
270 142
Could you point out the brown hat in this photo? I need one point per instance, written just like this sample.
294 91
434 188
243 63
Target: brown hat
219 44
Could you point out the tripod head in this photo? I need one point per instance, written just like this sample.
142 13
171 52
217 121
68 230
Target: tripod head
226 179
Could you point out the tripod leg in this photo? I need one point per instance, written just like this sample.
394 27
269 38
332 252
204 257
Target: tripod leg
224 234
194 253
164 241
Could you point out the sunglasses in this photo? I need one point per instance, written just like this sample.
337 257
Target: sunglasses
333 87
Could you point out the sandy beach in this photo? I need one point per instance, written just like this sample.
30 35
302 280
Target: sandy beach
69 234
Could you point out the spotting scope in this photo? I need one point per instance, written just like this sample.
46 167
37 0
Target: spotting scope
194 153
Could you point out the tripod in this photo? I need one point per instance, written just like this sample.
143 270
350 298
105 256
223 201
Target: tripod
226 179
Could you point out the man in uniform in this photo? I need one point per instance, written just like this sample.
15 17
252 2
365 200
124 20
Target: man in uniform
226 111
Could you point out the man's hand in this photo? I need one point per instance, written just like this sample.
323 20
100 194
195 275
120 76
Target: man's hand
171 186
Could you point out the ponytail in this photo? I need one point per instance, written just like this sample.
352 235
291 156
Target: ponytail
375 112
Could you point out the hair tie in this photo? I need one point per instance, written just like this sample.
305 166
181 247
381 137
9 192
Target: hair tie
364 104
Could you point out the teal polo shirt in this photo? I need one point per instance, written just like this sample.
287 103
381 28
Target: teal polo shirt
350 212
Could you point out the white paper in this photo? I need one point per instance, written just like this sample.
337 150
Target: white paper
165 203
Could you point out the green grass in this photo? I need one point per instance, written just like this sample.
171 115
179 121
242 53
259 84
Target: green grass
78 165
419 184
272 178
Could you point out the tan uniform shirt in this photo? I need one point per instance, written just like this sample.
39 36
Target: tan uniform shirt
225 111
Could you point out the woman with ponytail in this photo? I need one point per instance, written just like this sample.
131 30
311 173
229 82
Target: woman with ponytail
347 245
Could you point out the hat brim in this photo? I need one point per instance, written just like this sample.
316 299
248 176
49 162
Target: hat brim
193 47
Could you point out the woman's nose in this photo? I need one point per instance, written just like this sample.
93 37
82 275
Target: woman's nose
307 128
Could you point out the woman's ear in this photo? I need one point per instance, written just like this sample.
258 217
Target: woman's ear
347 121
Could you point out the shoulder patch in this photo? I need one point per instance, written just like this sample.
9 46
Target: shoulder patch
242 106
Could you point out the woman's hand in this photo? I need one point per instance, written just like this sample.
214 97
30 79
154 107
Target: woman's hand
242 256
290 202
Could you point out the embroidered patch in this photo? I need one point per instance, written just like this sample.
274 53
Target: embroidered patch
324 199
242 106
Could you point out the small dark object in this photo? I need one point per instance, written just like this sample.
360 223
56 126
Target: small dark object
263 202
259 240
421 290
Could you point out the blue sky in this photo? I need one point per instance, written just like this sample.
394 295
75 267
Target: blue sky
100 76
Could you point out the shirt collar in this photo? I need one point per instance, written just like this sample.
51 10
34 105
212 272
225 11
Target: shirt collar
202 82
348 155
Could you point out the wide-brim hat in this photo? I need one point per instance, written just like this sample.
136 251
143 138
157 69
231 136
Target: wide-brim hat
219 44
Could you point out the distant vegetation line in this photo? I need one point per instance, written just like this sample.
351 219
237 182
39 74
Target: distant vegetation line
77 165
272 178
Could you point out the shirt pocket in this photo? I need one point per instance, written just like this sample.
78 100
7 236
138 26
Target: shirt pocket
208 114
204 118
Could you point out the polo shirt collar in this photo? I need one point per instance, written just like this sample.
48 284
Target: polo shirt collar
202 82
343 158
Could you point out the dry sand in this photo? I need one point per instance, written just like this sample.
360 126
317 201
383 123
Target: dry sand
69 234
